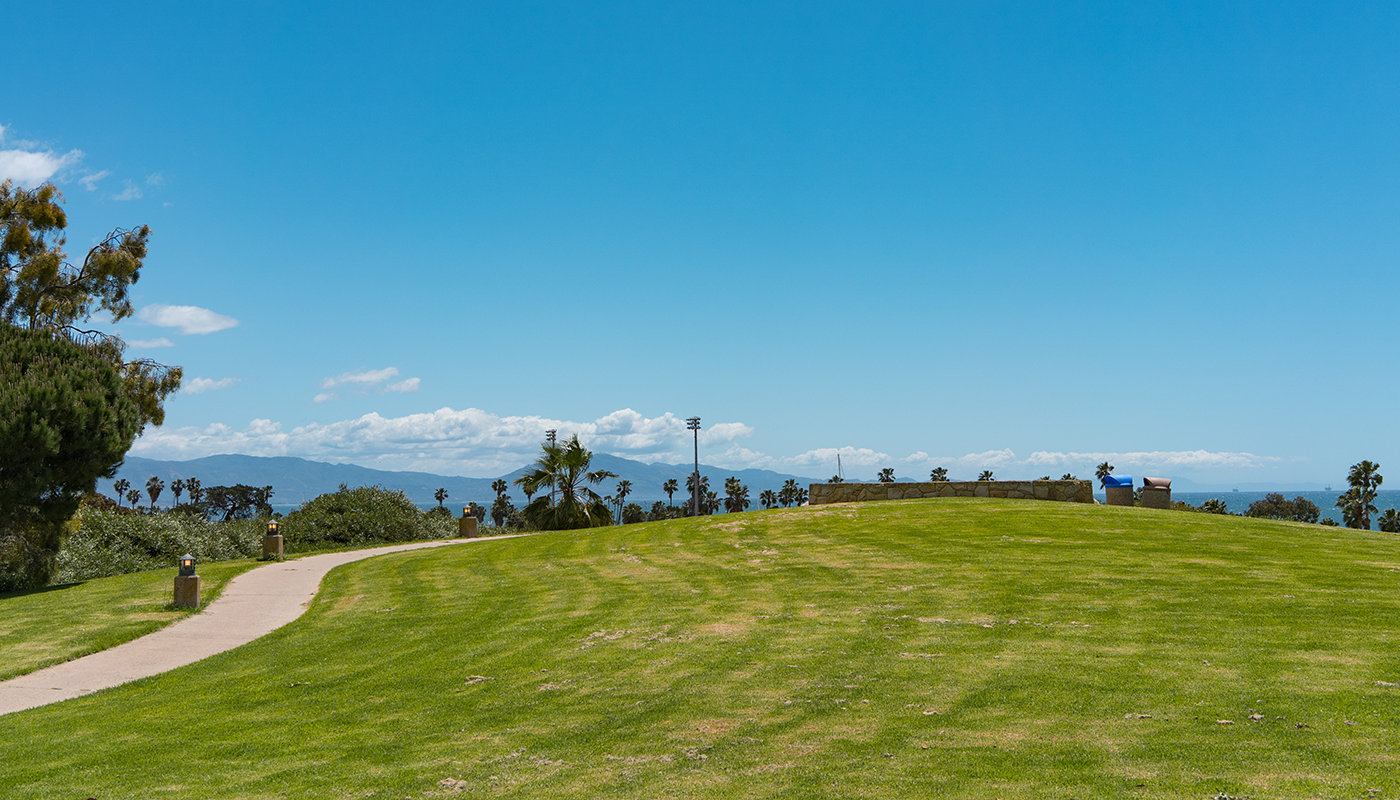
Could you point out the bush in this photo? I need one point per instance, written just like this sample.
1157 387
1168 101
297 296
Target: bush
101 543
364 515
1276 506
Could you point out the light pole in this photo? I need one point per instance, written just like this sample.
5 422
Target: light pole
549 434
693 424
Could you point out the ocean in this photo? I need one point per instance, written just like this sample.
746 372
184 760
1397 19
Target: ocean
1238 502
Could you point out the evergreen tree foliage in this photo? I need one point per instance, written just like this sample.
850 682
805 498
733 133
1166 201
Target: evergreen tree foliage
68 420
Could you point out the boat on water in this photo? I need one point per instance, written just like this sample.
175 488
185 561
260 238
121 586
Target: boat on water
1327 488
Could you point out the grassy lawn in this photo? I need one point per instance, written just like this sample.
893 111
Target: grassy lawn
953 648
50 626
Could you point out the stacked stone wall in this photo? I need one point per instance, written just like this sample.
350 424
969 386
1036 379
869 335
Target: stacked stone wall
1059 491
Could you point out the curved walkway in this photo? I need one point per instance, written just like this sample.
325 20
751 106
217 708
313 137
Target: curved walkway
251 605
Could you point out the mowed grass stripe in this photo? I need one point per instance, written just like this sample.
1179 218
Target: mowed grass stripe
966 648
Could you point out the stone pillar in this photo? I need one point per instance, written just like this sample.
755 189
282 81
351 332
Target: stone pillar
1119 495
466 526
187 591
272 546
1156 498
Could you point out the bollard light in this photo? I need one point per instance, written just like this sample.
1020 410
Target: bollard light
187 584
272 542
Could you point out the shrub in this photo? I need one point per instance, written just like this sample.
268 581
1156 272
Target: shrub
1276 506
364 515
101 543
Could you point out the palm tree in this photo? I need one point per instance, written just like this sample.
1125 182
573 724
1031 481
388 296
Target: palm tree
624 488
440 495
670 487
120 487
177 488
564 469
736 496
196 490
1389 521
1102 472
986 475
500 510
154 486
709 503
800 498
1214 506
887 475
500 487
1358 504
133 497
768 498
704 487
788 493
939 474
836 479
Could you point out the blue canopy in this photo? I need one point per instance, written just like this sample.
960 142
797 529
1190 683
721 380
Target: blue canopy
1118 480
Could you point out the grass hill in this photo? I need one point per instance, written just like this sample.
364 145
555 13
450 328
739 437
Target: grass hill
951 648
296 478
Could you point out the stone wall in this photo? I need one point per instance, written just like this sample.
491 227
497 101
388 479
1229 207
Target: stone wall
1062 491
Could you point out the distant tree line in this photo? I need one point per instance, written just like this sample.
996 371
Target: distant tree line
222 503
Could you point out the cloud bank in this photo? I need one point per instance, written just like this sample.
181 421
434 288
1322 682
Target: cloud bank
446 441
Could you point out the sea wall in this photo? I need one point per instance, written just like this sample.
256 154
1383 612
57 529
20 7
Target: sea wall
1061 491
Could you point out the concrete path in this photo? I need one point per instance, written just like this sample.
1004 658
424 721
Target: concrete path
251 605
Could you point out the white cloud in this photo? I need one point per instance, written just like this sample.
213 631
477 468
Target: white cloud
155 179
406 386
1178 459
147 344
31 168
367 377
189 319
446 441
202 385
324 397
131 192
90 180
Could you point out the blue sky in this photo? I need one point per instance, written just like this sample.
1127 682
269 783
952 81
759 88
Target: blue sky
1023 237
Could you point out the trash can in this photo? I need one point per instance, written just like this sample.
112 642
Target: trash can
1156 493
1119 489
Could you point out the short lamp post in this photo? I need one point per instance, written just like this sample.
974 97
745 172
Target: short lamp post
466 526
187 584
272 542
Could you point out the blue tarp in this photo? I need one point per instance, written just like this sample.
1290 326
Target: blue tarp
1118 480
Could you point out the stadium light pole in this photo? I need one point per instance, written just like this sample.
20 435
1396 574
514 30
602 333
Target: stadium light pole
693 424
549 434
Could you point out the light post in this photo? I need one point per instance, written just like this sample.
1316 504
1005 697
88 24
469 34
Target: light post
187 584
272 542
693 424
549 434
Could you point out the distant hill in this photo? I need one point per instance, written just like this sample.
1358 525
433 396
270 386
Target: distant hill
295 480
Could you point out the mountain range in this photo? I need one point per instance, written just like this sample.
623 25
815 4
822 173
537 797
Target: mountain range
296 480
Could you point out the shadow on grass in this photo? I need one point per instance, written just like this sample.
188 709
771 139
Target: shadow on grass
27 592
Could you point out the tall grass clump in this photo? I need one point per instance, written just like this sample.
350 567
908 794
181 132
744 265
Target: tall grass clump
363 515
102 543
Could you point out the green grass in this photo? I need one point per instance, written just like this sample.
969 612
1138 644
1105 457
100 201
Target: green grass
955 648
49 626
